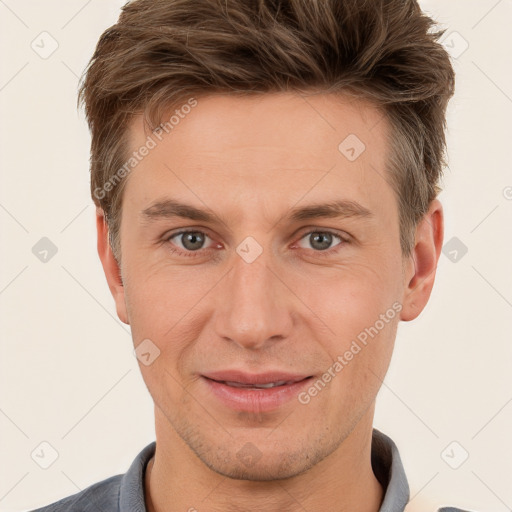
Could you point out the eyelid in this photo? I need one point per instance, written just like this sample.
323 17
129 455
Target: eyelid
318 229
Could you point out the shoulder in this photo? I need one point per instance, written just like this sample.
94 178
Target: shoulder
102 495
120 492
452 509
419 506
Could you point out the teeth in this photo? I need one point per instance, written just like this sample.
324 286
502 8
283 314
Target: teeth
270 384
262 386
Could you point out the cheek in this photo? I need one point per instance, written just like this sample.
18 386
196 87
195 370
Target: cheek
360 313
158 296
360 358
351 299
164 306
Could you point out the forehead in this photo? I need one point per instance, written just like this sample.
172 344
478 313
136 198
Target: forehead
253 151
221 121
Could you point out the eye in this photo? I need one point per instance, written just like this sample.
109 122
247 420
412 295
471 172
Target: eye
192 242
188 241
321 241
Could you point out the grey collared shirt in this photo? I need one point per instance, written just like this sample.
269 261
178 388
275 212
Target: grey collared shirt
125 493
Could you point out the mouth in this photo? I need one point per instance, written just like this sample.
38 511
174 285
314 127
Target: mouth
268 385
255 393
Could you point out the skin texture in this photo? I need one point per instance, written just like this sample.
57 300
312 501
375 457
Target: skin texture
250 160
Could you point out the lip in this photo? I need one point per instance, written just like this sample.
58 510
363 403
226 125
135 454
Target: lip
254 378
254 399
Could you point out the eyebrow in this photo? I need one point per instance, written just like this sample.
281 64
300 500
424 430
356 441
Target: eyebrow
171 208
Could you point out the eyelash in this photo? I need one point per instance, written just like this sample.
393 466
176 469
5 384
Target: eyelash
191 254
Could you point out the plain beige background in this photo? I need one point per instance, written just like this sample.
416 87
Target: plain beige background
68 374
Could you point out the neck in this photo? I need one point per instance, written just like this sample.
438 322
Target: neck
176 480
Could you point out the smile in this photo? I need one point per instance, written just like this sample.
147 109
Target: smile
257 394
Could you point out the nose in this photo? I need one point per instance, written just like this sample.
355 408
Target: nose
254 306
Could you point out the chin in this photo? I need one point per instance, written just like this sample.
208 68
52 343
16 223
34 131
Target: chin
261 473
250 464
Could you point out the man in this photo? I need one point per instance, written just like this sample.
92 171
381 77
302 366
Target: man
265 175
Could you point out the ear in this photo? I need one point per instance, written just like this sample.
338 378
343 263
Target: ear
421 268
110 266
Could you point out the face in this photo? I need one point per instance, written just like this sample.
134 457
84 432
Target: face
263 262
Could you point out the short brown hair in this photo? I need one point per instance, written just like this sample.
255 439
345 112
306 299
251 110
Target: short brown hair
161 52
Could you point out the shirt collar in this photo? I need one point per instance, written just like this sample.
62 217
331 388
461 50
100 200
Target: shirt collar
131 493
389 470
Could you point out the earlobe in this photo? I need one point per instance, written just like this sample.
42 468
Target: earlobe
110 266
423 262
